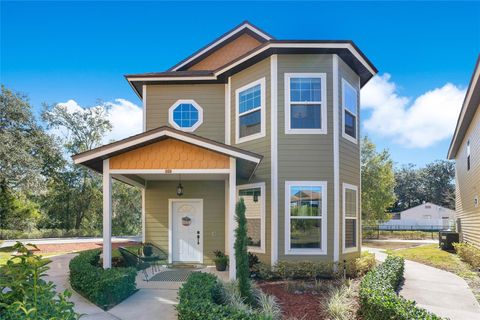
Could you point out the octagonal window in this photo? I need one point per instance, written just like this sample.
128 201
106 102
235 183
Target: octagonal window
186 115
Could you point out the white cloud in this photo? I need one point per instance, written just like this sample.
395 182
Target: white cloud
430 118
126 117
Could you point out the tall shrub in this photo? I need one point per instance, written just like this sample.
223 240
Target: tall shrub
241 255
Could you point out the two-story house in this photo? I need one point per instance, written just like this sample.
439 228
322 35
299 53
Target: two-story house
465 149
275 122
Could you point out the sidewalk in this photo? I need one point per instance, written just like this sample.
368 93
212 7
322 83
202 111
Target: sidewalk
8 243
145 304
425 241
435 290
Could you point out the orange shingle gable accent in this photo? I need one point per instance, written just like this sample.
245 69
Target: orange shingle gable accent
170 154
229 52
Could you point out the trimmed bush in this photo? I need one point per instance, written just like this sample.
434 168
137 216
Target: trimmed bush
200 299
468 253
105 288
361 265
378 297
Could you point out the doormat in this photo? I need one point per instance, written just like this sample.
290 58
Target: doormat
172 275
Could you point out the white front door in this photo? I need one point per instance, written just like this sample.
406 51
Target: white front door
187 230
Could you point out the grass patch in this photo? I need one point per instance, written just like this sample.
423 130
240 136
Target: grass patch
5 255
433 256
389 245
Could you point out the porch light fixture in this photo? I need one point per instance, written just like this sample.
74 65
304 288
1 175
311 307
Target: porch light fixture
179 187
255 196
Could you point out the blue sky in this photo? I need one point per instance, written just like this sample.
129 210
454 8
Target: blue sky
61 51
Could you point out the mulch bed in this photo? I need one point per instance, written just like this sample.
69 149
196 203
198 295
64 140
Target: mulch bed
74 247
295 305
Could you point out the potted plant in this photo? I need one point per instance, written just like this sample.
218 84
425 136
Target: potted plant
221 260
147 249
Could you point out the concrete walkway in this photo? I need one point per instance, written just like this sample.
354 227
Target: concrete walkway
424 241
147 303
8 243
437 291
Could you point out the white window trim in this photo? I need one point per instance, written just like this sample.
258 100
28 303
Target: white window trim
323 103
323 249
347 136
189 101
260 185
354 188
262 108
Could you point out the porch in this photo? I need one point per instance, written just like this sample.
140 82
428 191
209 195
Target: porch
188 188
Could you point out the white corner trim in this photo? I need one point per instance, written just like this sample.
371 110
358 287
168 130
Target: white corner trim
144 101
260 185
324 244
345 83
274 157
227 36
185 101
323 103
336 163
232 224
262 109
346 186
228 112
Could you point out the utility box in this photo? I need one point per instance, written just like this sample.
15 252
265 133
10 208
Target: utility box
446 240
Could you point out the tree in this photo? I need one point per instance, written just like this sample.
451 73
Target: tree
79 189
409 188
438 179
27 152
126 209
241 255
378 183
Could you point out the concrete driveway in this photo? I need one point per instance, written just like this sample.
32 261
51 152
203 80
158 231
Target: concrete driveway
146 303
441 292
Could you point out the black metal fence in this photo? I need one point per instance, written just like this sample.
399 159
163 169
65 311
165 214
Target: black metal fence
374 232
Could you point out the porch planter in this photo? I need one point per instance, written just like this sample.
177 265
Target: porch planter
147 250
221 260
221 265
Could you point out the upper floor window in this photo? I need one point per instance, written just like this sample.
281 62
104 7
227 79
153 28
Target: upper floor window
350 109
305 217
305 103
250 102
185 115
468 155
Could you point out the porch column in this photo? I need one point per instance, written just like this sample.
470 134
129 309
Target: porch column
107 215
232 192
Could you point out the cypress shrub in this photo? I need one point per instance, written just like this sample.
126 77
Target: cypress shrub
241 254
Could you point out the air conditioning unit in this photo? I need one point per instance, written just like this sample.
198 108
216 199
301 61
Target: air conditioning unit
446 240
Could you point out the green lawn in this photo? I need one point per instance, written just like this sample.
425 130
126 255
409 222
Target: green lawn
433 256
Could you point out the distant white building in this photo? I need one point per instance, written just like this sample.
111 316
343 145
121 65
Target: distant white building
424 216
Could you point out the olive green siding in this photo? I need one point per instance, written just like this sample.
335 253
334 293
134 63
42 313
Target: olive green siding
306 157
349 165
260 145
211 97
157 195
468 184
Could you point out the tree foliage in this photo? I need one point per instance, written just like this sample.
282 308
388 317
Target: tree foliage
433 183
378 183
241 254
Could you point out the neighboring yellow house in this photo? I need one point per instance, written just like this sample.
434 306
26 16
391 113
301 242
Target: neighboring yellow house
275 122
465 149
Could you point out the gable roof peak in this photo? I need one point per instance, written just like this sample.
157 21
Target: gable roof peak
242 28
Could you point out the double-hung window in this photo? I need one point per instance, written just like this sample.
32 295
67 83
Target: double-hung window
305 217
305 103
254 198
350 111
350 217
250 102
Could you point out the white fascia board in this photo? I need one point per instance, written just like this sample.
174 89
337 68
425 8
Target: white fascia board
174 135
